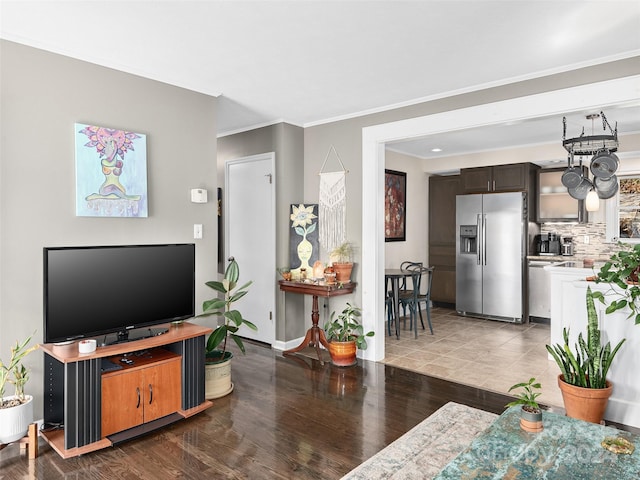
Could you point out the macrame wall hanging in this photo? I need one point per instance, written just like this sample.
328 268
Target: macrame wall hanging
332 205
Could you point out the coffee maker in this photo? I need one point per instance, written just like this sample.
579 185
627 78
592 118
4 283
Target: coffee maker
548 244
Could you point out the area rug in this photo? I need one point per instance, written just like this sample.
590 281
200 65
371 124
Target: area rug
428 447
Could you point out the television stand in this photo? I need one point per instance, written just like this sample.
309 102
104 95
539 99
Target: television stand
80 396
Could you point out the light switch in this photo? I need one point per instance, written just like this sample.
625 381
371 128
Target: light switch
197 230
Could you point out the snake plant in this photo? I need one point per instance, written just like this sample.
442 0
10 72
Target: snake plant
587 365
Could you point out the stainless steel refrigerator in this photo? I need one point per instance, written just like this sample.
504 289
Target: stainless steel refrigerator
490 251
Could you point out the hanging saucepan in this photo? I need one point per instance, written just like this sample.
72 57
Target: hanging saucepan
580 191
604 164
572 176
606 188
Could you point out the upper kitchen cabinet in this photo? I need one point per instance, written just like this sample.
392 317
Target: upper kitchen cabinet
499 178
554 202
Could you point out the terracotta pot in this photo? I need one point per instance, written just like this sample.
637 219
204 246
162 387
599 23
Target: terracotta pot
588 404
343 354
530 421
343 271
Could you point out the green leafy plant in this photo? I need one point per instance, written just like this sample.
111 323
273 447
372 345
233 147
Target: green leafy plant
346 327
527 397
232 319
588 364
621 271
15 372
342 253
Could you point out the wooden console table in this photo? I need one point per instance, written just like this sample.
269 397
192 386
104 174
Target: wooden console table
315 335
80 398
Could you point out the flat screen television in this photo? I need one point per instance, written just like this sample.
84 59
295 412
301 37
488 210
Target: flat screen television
116 291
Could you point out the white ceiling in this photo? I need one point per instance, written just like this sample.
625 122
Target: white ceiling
531 132
309 62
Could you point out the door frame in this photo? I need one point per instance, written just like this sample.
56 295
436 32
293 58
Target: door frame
599 95
269 236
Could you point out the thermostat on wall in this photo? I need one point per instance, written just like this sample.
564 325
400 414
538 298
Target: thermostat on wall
198 195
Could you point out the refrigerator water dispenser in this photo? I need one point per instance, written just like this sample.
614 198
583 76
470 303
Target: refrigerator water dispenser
468 239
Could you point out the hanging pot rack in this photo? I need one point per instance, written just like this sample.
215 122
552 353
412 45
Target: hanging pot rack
603 164
591 144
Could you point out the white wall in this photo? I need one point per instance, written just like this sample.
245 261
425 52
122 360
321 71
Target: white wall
415 248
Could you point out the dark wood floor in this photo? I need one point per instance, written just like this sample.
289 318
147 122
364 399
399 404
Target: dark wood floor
288 417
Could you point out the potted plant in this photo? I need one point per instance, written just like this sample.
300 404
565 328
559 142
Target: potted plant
217 358
582 381
16 411
341 262
345 335
621 271
530 413
285 272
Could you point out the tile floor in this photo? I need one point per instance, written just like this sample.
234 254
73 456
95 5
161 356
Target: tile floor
483 353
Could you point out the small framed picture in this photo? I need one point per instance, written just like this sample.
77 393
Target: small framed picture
395 206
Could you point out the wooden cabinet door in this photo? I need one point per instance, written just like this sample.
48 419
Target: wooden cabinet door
122 402
510 178
162 389
475 180
442 209
442 236
133 397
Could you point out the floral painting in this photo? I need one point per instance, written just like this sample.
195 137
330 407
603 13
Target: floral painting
303 245
111 172
395 199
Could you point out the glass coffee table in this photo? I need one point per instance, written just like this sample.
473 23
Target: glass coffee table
566 449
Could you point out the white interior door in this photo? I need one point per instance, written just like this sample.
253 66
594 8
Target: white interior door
249 214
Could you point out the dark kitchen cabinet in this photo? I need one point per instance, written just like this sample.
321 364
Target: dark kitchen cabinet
499 178
442 237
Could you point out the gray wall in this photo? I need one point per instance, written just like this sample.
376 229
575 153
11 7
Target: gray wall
287 142
346 135
43 95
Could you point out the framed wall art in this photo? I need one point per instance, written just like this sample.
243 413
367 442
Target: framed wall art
395 206
304 247
111 172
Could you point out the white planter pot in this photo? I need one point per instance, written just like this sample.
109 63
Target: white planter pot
15 421
217 379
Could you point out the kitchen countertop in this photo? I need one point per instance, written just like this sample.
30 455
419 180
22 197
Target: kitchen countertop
574 259
573 265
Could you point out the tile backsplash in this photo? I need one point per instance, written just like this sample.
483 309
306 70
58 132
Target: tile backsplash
597 248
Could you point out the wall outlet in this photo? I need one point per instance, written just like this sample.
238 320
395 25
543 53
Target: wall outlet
197 230
585 239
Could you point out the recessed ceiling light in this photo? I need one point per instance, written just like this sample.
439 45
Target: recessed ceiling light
436 149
